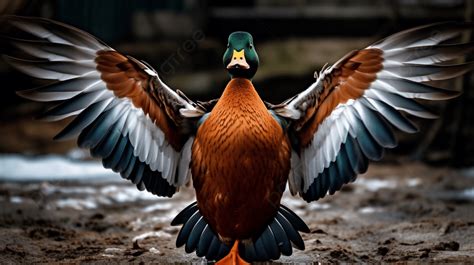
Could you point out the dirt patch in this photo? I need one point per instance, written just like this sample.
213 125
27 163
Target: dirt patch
394 213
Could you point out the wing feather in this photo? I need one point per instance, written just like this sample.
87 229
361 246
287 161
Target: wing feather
124 113
344 118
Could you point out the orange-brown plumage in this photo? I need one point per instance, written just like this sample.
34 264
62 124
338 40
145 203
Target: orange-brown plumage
125 78
238 152
240 165
349 81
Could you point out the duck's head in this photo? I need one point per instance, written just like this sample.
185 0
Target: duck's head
240 58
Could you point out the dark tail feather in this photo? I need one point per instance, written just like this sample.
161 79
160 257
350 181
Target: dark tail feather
197 235
276 239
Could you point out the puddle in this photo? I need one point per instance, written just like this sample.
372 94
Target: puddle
51 168
369 210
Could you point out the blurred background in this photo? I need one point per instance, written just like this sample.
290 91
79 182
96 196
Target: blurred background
185 39
57 204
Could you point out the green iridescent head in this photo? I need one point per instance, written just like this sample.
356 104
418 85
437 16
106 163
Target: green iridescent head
240 58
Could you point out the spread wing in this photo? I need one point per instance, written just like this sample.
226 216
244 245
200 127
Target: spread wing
345 118
124 113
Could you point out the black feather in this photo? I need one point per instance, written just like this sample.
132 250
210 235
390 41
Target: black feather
401 103
76 103
343 166
195 235
52 70
294 219
213 251
186 229
248 252
442 31
419 90
367 144
131 165
323 184
204 241
96 131
125 157
64 50
223 251
45 28
335 177
82 120
137 172
281 238
431 72
260 250
185 214
107 145
377 127
356 158
393 116
291 232
113 160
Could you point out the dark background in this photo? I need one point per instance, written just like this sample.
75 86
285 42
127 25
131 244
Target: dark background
416 206
185 39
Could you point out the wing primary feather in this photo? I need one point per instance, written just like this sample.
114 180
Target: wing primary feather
130 166
53 51
401 103
424 35
59 70
61 90
137 173
96 131
425 73
125 157
411 89
344 167
77 103
56 32
393 116
84 119
357 159
107 144
376 126
367 144
336 179
430 54
114 159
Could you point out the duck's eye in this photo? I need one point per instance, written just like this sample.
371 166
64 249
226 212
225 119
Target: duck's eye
251 46
228 45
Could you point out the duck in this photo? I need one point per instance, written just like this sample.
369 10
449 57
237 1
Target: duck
240 152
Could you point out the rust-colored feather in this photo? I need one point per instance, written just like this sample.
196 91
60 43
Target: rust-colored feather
348 81
241 161
126 79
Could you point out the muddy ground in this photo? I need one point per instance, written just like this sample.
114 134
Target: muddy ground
394 213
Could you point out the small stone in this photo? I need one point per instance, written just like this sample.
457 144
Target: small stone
383 251
453 246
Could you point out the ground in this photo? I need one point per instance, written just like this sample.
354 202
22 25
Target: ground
394 213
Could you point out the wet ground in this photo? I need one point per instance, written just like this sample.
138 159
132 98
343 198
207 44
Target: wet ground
394 213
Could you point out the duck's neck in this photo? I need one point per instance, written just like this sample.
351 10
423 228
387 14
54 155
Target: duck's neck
240 92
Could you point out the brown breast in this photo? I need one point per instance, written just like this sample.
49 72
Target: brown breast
240 163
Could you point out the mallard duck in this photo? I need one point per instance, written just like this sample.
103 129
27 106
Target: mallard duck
239 151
